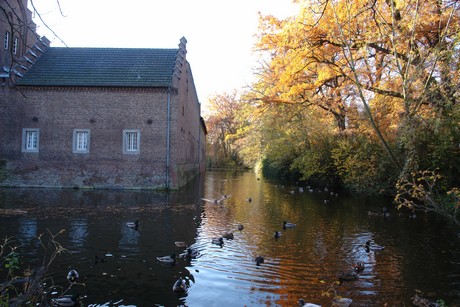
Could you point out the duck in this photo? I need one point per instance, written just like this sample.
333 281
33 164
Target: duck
217 200
259 260
341 301
277 234
168 259
133 225
72 276
249 200
218 241
303 304
348 276
240 227
213 201
180 285
65 300
288 225
359 267
373 247
98 259
180 244
190 254
228 235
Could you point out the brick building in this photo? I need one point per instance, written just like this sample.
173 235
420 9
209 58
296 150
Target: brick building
95 117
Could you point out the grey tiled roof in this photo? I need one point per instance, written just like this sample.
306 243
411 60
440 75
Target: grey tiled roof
102 67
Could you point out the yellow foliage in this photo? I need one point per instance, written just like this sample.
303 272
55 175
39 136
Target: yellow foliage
332 50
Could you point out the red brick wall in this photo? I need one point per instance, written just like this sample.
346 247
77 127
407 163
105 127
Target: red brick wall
188 140
56 112
106 113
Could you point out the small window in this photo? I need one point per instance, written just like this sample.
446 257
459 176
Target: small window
30 139
80 141
6 40
15 45
131 141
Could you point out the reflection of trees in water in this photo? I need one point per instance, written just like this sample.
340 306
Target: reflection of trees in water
327 241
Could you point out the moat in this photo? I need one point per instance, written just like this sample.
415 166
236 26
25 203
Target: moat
420 253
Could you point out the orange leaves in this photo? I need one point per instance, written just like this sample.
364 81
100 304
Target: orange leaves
381 71
385 48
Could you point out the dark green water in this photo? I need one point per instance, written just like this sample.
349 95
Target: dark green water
421 253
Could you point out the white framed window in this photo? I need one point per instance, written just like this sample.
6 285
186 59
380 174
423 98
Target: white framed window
80 140
15 45
30 139
131 141
6 40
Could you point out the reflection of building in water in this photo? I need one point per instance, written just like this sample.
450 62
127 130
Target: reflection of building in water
78 233
129 239
27 232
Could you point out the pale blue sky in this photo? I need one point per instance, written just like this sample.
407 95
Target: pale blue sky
220 34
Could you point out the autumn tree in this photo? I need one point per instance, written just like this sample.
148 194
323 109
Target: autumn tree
222 123
384 71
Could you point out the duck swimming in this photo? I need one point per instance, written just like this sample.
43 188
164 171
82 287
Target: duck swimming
373 247
359 267
65 300
98 259
277 234
228 235
72 276
259 260
288 225
217 200
179 285
341 301
168 259
190 254
303 304
348 276
218 241
180 244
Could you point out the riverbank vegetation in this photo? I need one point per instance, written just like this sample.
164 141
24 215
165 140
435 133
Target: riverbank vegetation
357 94
21 285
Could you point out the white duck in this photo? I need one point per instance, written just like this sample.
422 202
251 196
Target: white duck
167 259
65 301
288 225
303 304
